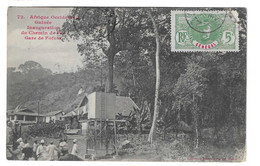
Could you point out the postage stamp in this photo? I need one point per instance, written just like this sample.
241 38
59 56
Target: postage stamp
204 31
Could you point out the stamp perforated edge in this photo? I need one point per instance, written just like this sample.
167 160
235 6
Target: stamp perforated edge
173 12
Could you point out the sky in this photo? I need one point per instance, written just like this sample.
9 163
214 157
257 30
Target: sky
48 53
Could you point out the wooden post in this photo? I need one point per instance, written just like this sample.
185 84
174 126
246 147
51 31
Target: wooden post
95 136
20 132
106 141
100 133
127 133
115 142
38 110
87 137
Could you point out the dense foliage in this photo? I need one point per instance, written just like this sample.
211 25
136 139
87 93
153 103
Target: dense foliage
47 129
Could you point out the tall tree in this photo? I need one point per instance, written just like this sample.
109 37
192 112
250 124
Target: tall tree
102 33
159 42
157 83
96 28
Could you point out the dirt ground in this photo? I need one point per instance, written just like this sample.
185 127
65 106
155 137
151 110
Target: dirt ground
176 149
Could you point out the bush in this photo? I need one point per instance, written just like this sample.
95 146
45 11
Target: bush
47 129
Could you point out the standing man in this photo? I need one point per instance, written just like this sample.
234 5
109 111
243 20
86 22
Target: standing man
41 150
20 148
27 150
21 144
26 144
51 149
59 147
64 147
35 146
74 148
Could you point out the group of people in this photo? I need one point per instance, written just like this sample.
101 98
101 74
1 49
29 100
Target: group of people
20 150
42 151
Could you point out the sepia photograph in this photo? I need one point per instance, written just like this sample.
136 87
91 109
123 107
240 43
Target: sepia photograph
126 84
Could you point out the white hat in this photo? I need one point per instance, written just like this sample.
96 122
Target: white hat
62 144
42 141
74 140
20 140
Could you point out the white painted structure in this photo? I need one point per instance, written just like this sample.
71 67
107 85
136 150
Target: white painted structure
105 107
53 116
101 105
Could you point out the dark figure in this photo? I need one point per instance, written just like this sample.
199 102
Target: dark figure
28 153
64 147
15 152
35 146
59 147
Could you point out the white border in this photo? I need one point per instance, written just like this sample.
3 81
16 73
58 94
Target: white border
173 12
253 68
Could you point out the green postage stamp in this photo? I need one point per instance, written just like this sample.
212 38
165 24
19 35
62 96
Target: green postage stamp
204 31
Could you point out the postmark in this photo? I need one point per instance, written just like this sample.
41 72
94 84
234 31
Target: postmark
193 31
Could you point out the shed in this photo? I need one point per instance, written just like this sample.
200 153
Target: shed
107 106
101 105
24 115
53 116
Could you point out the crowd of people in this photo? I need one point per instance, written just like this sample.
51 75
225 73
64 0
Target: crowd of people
42 151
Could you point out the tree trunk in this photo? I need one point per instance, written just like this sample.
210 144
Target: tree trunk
140 129
101 81
164 132
197 138
152 133
195 123
110 74
112 50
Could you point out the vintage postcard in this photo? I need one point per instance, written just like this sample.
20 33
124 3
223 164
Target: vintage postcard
126 84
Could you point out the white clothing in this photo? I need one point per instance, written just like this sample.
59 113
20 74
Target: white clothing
40 151
21 145
51 150
27 145
74 149
35 147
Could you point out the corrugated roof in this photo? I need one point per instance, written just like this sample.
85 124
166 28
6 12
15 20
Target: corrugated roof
124 105
70 114
10 112
53 113
24 109
26 113
20 110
